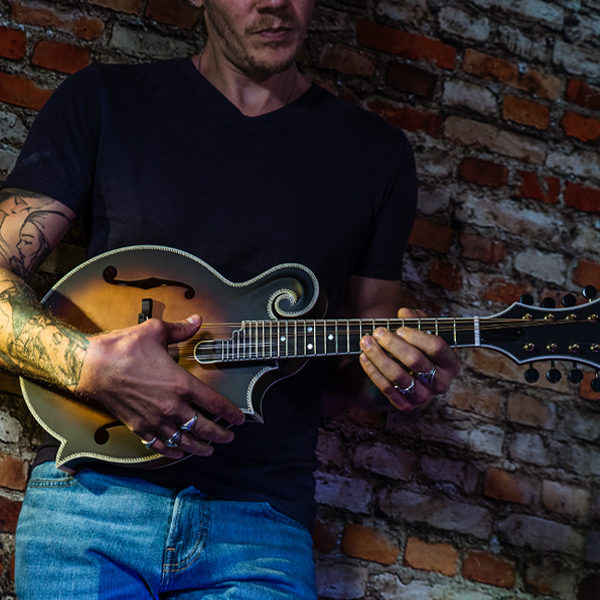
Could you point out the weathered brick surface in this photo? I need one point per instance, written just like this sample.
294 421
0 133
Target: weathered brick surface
406 44
510 487
439 558
370 544
526 112
501 102
52 16
21 91
487 568
483 172
13 43
60 57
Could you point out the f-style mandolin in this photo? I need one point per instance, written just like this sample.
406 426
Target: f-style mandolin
253 334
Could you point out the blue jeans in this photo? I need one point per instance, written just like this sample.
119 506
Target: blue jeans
96 536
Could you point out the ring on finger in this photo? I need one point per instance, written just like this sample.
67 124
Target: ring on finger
174 440
188 425
426 376
409 389
149 443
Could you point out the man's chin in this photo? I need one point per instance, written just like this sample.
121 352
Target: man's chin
271 63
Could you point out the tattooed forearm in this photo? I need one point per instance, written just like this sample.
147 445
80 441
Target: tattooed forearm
34 343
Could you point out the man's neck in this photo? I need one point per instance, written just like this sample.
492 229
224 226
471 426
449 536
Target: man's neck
252 95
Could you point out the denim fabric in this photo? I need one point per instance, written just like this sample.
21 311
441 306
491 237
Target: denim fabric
97 536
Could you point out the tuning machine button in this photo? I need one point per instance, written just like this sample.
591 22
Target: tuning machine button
548 302
553 375
569 300
595 385
575 374
589 292
532 375
526 299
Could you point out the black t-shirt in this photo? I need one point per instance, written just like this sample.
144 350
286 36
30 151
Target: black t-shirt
154 154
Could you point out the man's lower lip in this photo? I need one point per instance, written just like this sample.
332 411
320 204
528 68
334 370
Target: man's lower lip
274 35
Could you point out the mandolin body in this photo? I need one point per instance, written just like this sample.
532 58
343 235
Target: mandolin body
123 287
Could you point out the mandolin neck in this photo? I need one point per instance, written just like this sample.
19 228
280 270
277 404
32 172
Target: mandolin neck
268 340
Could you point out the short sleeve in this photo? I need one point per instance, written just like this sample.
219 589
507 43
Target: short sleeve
58 156
381 255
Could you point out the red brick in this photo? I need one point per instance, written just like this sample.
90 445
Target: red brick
531 187
526 112
431 236
438 558
408 118
583 128
370 544
132 7
58 56
579 92
13 472
488 568
173 12
509 487
406 44
483 172
347 60
445 274
12 43
482 248
9 513
491 67
582 197
587 273
325 536
505 292
526 410
413 80
45 15
21 91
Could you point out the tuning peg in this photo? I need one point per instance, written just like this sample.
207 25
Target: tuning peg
553 375
589 292
569 300
548 302
526 299
531 375
575 374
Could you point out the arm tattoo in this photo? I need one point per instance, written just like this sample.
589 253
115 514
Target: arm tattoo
36 343
32 341
29 224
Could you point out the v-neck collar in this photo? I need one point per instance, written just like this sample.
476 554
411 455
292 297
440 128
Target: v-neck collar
224 104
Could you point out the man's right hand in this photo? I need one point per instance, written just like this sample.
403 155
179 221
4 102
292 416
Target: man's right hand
132 374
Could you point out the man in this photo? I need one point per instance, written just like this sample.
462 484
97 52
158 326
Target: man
235 157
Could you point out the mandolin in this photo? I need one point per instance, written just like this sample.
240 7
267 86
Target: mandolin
253 334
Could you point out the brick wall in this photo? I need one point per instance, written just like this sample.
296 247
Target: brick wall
493 491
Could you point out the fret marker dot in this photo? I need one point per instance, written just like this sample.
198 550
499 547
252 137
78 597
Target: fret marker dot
309 329
282 338
330 337
310 346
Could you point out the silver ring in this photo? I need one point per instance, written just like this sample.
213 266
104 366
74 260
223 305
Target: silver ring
427 376
408 389
149 443
188 425
174 440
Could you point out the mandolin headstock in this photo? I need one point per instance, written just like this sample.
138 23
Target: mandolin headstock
527 334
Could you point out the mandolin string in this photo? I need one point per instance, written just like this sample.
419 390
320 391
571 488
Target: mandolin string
267 339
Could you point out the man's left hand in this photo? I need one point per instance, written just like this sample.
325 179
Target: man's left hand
408 366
